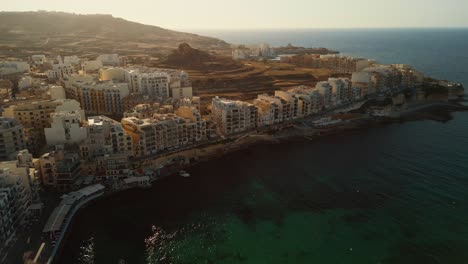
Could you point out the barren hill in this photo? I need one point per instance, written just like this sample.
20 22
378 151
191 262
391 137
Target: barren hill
186 57
91 33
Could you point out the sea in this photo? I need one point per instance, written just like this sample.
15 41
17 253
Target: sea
395 193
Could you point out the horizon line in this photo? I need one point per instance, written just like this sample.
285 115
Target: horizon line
229 28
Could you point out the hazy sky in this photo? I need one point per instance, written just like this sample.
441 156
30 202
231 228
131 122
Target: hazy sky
186 14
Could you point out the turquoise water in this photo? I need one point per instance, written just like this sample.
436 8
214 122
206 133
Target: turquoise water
389 194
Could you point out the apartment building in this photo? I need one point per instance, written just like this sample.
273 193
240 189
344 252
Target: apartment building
292 101
111 166
91 66
11 138
105 136
13 67
143 111
165 132
384 77
72 60
102 98
157 84
35 116
343 64
268 112
362 81
15 200
60 170
233 117
286 110
66 128
59 71
326 92
56 92
154 84
39 59
341 90
109 59
239 54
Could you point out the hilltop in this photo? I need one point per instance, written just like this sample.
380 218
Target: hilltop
67 32
186 57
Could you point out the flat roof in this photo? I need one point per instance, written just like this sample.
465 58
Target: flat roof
55 220
57 217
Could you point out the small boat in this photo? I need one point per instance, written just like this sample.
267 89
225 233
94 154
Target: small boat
184 174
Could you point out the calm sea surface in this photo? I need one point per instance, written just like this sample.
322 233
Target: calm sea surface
392 194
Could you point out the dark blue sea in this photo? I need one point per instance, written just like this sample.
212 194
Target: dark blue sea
395 193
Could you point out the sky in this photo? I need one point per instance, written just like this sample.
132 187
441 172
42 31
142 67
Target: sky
265 14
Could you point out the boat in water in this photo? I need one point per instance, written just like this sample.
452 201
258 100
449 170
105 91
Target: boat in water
184 174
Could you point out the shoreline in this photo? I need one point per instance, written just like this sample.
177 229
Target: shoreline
210 152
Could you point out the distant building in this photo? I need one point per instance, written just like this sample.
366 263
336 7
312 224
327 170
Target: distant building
109 59
25 82
157 84
39 60
91 66
13 67
72 60
265 51
57 92
240 54
59 71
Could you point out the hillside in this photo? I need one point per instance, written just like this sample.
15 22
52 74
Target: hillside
188 58
66 32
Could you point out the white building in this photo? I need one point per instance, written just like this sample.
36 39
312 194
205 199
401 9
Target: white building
112 74
72 60
239 54
59 71
65 129
362 81
38 59
25 82
105 136
13 67
326 92
341 90
91 66
109 59
155 84
57 92
285 107
266 51
233 117
268 112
